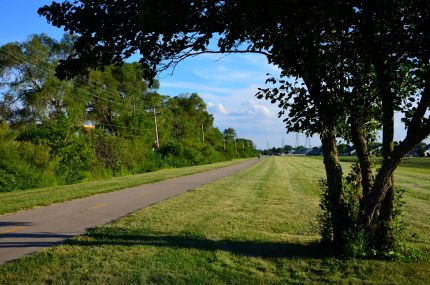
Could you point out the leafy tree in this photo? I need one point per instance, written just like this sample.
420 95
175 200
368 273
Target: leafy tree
191 118
117 99
229 134
32 93
186 32
420 149
299 149
288 148
43 141
352 64
342 148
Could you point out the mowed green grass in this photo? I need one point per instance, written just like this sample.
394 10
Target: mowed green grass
27 199
255 227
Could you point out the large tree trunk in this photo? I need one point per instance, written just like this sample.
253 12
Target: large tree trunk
334 180
379 234
382 192
383 182
360 143
383 234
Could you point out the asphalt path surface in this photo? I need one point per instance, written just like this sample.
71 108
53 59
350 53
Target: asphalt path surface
33 230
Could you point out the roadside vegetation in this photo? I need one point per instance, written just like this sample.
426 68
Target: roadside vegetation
26 199
255 227
111 123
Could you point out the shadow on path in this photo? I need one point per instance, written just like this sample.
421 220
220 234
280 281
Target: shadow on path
244 248
14 224
19 240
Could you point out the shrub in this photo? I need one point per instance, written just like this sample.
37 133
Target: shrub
22 164
358 239
75 161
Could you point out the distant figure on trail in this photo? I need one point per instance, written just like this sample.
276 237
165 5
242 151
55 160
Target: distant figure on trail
259 156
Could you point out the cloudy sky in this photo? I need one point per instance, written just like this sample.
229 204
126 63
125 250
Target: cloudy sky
226 83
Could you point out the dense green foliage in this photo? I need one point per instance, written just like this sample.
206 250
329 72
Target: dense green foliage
61 132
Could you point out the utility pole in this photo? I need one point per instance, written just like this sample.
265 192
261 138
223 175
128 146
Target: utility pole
203 134
243 144
157 142
224 143
235 145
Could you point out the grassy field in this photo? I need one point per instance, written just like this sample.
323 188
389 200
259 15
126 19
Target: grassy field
27 199
255 227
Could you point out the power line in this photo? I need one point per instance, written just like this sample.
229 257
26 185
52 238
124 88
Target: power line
102 86
51 74
108 90
96 122
93 95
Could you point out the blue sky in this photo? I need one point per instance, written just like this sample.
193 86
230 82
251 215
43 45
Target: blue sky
226 83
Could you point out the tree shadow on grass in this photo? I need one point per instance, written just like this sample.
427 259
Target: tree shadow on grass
244 248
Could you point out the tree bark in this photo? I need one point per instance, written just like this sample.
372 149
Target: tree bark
334 180
383 236
360 143
383 180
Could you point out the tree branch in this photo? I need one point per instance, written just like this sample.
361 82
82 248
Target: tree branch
177 59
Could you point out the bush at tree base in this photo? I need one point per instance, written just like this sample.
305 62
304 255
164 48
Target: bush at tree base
361 242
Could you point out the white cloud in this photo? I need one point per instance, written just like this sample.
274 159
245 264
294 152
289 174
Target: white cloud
237 108
260 109
220 108
217 108
253 108
229 88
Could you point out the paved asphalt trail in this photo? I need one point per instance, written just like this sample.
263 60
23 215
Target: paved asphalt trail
33 230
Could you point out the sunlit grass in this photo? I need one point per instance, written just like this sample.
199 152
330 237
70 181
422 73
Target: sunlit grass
255 227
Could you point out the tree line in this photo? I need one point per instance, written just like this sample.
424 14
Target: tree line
110 123
345 149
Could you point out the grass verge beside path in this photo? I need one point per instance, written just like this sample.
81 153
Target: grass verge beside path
26 199
257 226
